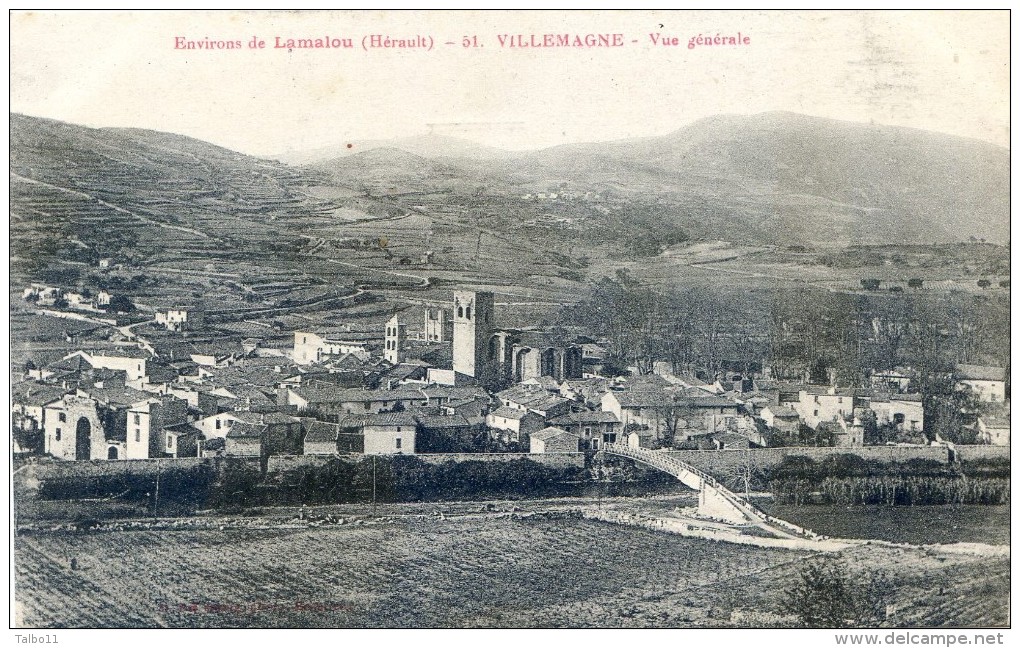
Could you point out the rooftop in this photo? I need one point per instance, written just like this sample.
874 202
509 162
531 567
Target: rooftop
980 372
575 418
31 393
551 432
390 419
439 421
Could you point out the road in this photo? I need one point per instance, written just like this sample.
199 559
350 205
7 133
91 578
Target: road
124 330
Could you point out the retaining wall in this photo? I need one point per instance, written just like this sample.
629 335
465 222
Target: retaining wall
976 452
284 463
716 462
554 459
147 467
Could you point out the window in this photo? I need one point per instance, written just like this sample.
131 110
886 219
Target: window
138 419
816 413
169 440
62 417
398 443
138 435
468 312
398 440
217 424
460 311
587 431
57 435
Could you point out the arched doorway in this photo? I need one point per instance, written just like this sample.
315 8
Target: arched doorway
111 453
83 440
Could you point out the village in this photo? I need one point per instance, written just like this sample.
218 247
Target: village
442 378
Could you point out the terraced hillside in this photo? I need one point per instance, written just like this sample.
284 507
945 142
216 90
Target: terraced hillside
79 194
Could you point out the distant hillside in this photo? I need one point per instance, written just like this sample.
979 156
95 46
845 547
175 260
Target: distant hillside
774 177
796 178
430 146
394 171
80 193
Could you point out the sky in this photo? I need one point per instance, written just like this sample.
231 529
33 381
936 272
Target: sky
942 71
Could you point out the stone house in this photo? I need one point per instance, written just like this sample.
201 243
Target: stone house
390 433
554 439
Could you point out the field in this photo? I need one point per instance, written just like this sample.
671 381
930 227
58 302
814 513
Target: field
469 570
912 524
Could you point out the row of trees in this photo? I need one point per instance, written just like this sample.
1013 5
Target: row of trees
830 334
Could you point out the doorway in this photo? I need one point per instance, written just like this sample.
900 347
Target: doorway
83 440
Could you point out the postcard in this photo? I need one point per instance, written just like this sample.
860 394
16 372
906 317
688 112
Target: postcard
511 319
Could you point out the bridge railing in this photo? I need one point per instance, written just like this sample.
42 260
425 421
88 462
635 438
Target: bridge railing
674 465
659 460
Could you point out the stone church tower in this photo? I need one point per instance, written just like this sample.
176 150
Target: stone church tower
472 328
394 341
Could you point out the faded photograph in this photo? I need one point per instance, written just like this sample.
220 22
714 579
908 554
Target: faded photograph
440 319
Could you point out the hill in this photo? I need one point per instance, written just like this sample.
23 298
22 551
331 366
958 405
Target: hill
430 145
776 178
792 178
78 194
392 170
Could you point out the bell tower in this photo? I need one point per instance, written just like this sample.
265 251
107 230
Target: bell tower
472 327
394 341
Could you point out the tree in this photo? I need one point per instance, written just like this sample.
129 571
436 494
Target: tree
983 283
748 470
916 283
120 304
826 596
870 284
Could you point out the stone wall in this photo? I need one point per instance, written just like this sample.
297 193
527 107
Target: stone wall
283 463
978 452
146 467
553 459
716 462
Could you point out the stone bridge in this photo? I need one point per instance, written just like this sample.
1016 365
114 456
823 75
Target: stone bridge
714 500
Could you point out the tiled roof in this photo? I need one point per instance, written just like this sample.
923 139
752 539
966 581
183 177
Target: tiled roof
320 432
551 432
390 418
997 420
511 413
783 411
183 429
122 352
575 418
36 394
979 372
438 421
118 395
242 430
663 398
73 363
